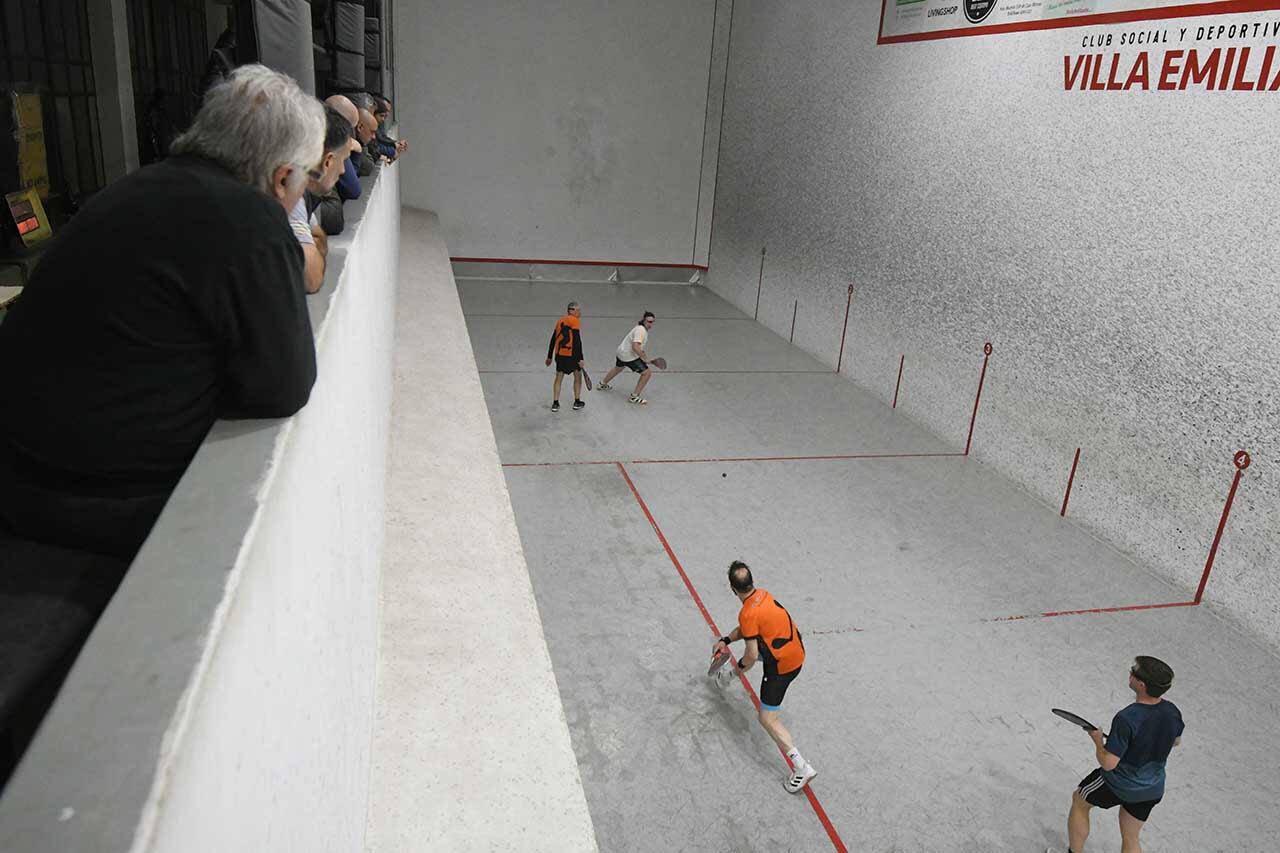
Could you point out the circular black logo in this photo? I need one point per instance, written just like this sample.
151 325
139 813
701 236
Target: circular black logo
977 10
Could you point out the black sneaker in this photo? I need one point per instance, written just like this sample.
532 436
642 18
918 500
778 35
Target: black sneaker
555 406
578 404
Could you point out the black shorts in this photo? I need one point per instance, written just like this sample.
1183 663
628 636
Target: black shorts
1097 792
567 364
636 364
773 687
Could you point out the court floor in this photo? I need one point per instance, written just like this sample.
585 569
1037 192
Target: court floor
919 579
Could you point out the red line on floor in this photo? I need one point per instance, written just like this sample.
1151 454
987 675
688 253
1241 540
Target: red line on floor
752 372
604 317
715 632
837 458
1049 614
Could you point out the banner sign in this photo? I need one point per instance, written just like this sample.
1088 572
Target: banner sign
924 20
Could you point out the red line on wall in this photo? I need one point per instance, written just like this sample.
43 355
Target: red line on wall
759 284
715 632
1190 10
839 457
577 263
896 387
1071 478
847 305
986 355
1241 462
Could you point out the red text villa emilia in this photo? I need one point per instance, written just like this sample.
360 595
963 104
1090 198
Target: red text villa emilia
1222 69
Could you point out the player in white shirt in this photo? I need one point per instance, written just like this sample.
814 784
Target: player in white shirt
631 356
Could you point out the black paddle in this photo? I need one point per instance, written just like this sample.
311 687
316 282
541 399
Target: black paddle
1076 719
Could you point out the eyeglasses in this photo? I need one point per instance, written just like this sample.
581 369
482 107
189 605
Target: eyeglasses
1133 670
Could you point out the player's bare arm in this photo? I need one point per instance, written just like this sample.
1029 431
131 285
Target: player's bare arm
721 647
749 656
1106 760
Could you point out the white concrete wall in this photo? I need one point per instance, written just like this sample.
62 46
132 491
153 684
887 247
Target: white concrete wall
471 746
1116 247
225 699
557 130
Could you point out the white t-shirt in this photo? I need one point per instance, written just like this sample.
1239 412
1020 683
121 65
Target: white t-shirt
298 222
638 335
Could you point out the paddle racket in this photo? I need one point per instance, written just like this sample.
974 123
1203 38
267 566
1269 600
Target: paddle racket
1076 719
586 378
660 363
716 662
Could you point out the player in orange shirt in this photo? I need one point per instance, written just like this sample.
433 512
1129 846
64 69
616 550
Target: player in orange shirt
773 637
566 346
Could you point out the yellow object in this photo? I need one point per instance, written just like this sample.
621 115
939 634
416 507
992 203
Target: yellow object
33 158
29 216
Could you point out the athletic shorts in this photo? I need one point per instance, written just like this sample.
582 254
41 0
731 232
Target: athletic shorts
773 687
566 364
1097 792
636 364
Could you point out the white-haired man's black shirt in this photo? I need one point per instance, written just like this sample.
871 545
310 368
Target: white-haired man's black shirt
173 298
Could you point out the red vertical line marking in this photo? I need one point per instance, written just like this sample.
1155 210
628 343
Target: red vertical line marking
986 355
901 362
759 283
847 305
794 309
1071 478
1242 461
715 632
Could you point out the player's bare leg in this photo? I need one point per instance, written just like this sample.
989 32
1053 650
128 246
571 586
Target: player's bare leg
577 385
608 377
801 770
771 724
555 386
1078 823
1130 826
644 380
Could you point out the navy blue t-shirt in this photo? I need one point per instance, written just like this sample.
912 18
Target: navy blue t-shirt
1142 737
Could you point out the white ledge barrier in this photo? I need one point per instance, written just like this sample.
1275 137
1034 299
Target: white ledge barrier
225 700
471 748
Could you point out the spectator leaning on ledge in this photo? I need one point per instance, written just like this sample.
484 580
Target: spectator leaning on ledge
365 131
382 114
312 233
348 185
173 298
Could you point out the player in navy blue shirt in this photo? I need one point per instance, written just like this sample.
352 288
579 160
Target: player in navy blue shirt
1131 758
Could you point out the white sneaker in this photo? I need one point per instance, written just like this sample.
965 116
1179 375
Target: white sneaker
799 777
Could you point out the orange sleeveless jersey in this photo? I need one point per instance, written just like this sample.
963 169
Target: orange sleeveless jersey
562 337
769 623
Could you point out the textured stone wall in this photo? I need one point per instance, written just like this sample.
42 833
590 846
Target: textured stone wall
1119 249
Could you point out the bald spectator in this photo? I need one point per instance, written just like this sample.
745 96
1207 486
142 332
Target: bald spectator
348 185
173 298
365 131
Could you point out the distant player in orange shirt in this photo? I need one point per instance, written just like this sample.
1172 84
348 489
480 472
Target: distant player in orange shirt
566 346
773 637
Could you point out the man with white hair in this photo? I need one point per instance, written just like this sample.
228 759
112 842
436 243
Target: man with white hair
172 299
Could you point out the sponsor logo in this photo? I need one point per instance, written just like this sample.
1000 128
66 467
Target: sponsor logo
978 10
944 10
